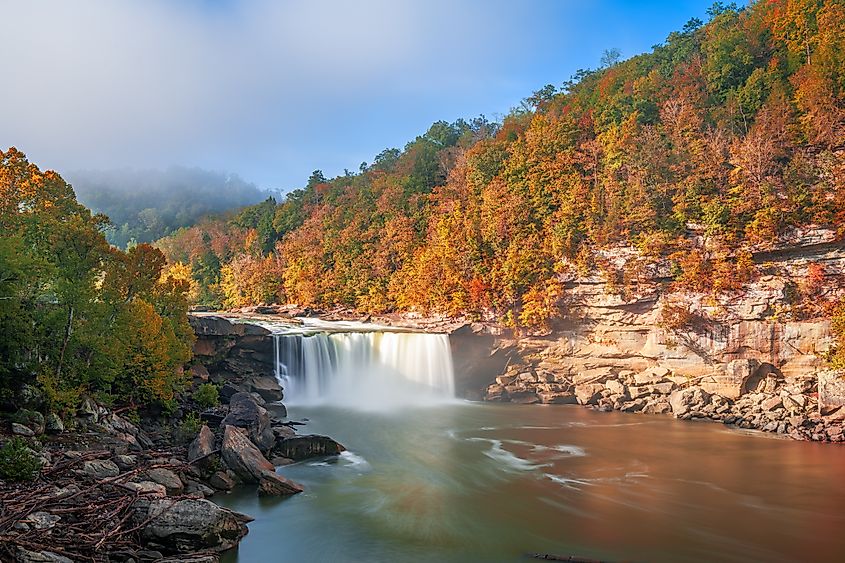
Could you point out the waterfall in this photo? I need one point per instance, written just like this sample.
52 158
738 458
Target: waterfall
364 368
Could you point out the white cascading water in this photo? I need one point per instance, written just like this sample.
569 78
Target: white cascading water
364 369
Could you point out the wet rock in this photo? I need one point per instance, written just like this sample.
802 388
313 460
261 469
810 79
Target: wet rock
202 445
22 430
99 469
304 447
166 478
273 484
188 525
246 413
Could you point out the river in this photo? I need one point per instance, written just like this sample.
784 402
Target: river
486 482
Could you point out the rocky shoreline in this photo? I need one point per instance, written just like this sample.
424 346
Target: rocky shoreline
113 490
750 396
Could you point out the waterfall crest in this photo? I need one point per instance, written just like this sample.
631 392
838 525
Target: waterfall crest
364 369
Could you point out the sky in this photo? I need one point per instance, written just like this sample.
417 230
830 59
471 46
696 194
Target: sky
272 89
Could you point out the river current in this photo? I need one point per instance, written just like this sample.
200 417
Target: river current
485 482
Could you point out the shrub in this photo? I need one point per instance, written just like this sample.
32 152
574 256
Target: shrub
189 428
18 461
207 395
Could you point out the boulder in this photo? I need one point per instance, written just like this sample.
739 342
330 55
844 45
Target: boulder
125 462
166 478
53 424
683 401
524 397
242 457
637 391
651 375
276 411
663 388
88 410
22 430
200 372
147 488
273 484
188 525
831 390
304 447
221 481
588 393
43 520
772 403
34 420
557 398
616 387
246 413
99 469
202 445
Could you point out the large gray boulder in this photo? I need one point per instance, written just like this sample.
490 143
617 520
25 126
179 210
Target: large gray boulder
188 525
265 385
251 466
241 455
99 469
246 413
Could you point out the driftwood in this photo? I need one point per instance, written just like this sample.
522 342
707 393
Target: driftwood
95 521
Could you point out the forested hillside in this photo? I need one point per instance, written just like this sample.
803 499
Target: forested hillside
144 206
78 316
731 130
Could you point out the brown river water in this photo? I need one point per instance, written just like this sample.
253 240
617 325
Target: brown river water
484 482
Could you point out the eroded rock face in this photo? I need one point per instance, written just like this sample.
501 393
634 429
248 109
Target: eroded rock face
188 525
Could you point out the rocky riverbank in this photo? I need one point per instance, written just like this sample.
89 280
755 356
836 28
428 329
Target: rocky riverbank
114 490
749 396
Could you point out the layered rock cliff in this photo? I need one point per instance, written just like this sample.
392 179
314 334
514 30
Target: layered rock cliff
743 348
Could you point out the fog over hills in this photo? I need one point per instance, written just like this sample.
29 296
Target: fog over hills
145 205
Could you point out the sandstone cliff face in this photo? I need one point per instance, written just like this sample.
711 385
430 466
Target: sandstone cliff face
730 346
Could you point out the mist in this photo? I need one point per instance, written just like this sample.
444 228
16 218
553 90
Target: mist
145 205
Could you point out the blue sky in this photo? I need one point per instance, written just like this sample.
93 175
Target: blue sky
273 90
